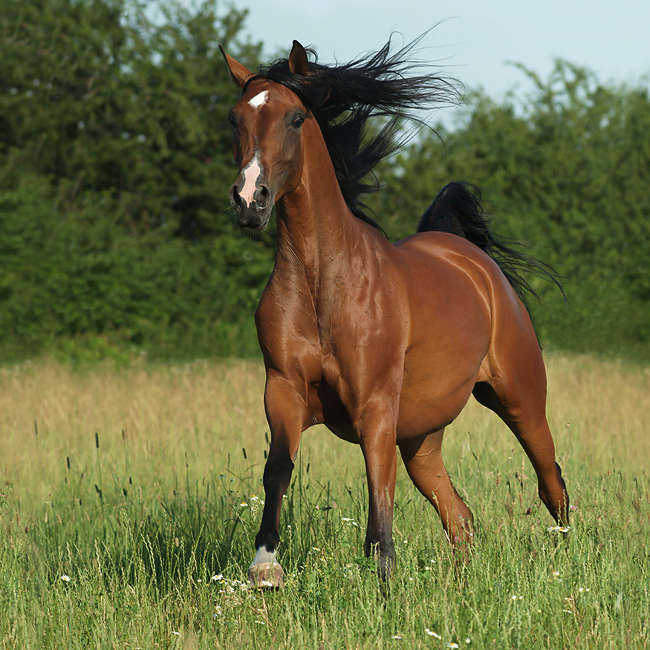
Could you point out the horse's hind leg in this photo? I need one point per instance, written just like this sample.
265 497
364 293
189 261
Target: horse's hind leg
423 460
522 406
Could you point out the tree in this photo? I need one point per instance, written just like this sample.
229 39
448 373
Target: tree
115 151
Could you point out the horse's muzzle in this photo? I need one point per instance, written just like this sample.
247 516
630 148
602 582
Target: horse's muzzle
256 214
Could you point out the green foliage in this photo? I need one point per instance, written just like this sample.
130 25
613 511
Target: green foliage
115 230
98 97
95 284
115 159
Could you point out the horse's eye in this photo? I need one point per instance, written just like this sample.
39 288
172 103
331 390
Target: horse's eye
297 121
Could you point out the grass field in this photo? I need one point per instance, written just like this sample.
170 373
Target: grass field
129 500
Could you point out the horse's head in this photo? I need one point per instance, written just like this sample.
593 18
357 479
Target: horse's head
267 133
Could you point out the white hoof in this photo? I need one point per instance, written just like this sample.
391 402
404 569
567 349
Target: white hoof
266 575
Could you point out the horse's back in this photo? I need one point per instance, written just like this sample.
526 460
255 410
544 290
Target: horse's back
457 269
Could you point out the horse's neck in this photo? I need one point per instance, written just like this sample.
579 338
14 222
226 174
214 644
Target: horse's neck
316 229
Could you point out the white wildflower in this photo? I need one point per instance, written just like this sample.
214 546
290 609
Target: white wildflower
432 633
558 529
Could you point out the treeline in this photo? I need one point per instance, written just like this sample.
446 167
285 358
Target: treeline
115 232
115 159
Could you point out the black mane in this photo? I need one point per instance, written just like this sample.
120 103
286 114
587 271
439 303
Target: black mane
344 97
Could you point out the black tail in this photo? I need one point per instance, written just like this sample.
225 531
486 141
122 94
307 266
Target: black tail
457 209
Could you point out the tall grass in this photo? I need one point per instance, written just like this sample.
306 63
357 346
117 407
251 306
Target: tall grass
142 485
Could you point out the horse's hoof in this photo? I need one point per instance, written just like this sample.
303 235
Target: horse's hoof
266 575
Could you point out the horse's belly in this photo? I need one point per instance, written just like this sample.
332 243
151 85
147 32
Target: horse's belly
437 382
435 390
421 412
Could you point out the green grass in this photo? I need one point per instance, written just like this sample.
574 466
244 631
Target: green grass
148 521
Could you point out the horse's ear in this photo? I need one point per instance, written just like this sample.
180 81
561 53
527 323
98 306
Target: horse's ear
317 93
298 63
239 73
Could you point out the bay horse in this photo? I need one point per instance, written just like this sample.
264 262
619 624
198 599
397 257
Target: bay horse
383 343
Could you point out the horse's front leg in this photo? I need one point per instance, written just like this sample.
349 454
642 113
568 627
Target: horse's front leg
288 417
379 451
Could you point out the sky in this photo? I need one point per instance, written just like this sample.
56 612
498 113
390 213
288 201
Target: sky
473 39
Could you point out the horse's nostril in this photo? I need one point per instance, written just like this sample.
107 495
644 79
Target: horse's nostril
262 196
235 199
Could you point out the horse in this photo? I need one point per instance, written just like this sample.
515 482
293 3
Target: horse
382 342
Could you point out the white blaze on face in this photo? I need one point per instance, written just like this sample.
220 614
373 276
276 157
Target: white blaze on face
259 99
251 173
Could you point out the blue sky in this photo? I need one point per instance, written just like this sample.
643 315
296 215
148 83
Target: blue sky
473 39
